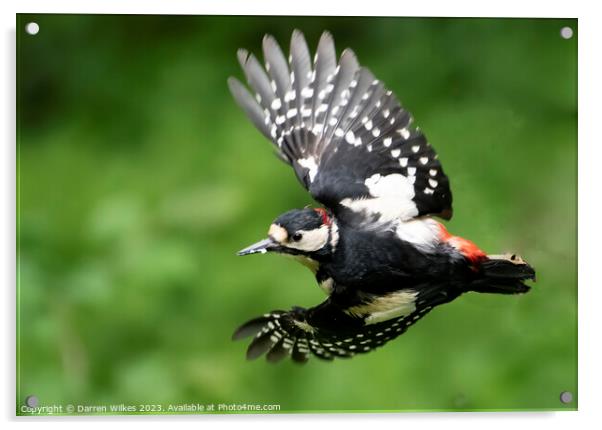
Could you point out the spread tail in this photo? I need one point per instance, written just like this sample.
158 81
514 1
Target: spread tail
504 274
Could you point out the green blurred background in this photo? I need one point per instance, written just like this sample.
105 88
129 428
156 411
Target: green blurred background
139 178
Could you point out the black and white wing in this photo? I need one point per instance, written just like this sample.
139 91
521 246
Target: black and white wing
347 137
339 328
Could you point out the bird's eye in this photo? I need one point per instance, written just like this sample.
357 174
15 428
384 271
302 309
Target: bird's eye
296 237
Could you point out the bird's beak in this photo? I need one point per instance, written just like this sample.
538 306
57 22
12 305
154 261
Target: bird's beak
262 246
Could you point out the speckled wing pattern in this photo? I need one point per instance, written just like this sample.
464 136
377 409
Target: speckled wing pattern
327 331
345 135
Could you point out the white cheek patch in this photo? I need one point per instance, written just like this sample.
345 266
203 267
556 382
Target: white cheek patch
424 234
311 240
391 198
383 308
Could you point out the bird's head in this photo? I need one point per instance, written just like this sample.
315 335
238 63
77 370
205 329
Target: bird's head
306 232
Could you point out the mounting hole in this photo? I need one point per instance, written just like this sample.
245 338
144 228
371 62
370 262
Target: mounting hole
32 401
32 28
566 397
566 32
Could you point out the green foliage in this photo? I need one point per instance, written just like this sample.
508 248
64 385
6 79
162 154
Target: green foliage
139 178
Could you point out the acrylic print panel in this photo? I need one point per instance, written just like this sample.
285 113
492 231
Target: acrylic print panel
140 177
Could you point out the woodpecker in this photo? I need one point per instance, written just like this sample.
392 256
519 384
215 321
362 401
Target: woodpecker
375 248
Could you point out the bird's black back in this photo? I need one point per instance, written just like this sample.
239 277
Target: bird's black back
379 262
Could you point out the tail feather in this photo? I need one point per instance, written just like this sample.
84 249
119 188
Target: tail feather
504 274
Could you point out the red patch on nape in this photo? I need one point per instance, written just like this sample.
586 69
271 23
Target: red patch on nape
467 248
325 218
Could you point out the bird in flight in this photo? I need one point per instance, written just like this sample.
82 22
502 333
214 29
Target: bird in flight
376 251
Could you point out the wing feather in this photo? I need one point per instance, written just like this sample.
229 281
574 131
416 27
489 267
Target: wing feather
324 71
335 330
348 139
249 105
300 61
348 67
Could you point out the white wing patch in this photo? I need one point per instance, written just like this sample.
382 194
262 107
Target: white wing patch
310 164
423 233
391 198
398 304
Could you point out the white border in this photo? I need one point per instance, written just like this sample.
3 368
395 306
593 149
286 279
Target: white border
590 141
507 8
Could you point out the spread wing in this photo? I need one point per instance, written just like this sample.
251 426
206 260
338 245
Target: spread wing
339 328
348 139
